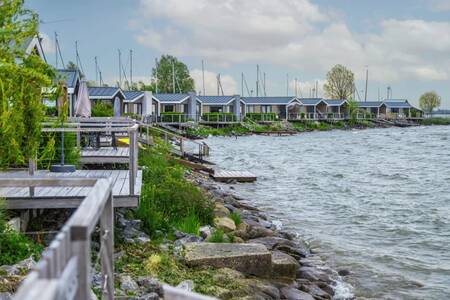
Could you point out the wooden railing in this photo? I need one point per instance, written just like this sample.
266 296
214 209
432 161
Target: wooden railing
65 267
130 129
181 144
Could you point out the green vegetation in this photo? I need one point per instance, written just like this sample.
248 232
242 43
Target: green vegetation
218 236
149 260
219 117
219 131
14 246
236 217
340 83
262 116
173 117
429 101
22 78
436 121
102 109
168 200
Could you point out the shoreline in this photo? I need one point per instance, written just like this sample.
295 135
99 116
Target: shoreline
313 277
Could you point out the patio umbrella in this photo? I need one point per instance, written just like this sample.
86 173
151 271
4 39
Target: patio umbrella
83 105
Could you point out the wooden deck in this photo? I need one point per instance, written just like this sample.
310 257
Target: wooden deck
69 197
239 176
105 155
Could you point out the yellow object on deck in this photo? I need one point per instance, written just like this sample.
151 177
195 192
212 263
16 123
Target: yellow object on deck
124 141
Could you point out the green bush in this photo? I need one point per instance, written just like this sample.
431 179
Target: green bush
189 224
51 111
102 109
218 236
173 117
167 197
436 121
14 246
236 217
219 117
262 116
302 115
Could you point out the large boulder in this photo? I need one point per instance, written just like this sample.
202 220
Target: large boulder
226 224
252 259
220 210
127 284
284 266
294 294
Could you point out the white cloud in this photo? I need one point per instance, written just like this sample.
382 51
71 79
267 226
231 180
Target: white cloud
295 34
47 44
229 85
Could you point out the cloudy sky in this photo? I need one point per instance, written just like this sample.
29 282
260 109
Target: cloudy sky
405 44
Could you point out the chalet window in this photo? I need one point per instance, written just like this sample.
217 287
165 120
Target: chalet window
169 108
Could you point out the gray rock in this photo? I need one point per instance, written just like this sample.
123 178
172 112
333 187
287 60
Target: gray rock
187 285
259 231
150 284
344 272
270 291
150 296
283 265
313 274
253 259
26 264
5 296
205 231
119 255
127 284
294 294
316 291
188 238
10 270
142 240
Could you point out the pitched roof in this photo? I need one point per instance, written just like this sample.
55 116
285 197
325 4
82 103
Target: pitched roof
370 104
70 76
397 103
335 102
104 92
311 101
131 96
267 100
171 98
218 100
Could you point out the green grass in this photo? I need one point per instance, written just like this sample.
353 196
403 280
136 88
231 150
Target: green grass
236 217
102 109
168 200
436 121
218 236
15 246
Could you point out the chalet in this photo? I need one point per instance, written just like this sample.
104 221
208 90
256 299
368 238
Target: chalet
111 95
72 82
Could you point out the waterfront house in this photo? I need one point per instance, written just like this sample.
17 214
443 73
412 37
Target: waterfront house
398 108
336 108
72 82
111 95
34 46
376 108
313 108
281 106
187 105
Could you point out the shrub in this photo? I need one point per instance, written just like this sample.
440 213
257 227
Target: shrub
14 246
302 115
236 217
189 224
262 116
173 117
102 109
218 236
167 197
219 117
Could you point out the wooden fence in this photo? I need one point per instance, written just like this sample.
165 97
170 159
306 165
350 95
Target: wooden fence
65 267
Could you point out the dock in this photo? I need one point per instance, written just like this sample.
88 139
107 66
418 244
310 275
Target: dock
69 197
239 176
105 155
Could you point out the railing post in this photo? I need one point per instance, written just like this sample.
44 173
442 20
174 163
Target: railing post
107 244
78 136
81 248
181 147
133 159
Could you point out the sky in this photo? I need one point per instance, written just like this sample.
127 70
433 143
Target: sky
404 44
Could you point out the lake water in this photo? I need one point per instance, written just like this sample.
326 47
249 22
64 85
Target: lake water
376 202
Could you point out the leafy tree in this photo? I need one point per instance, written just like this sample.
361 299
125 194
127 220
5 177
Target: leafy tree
164 74
340 83
353 108
429 101
73 67
22 78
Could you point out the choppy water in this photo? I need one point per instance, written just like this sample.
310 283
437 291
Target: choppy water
375 201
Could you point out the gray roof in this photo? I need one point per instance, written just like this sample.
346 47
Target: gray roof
70 76
397 103
311 101
335 102
267 100
370 104
168 98
133 95
217 100
104 92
